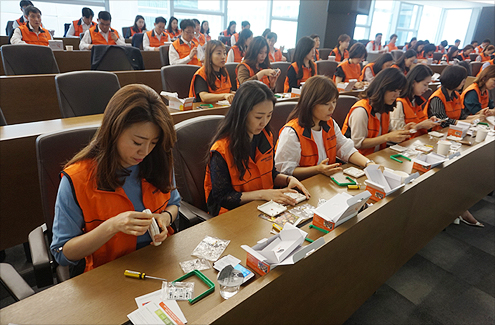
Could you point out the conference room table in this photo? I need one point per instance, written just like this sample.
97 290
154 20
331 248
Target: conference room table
325 287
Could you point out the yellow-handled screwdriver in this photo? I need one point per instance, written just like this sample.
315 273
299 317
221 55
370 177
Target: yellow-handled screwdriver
140 275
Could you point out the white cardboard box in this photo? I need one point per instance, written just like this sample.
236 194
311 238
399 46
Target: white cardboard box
426 162
174 102
339 209
459 130
381 184
295 92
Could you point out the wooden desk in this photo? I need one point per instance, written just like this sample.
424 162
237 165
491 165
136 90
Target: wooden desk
20 198
33 98
437 68
326 287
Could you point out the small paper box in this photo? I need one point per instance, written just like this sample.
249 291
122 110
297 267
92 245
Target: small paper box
295 92
381 184
424 163
339 209
459 130
285 248
174 102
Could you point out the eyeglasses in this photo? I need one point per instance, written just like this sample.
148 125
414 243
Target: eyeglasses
105 25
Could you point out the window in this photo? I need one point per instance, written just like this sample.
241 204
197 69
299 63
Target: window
382 20
202 5
408 22
286 33
362 29
255 12
455 26
429 24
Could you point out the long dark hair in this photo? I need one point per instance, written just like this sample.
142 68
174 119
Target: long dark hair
417 74
401 63
389 79
450 53
228 28
203 31
134 27
234 126
251 56
169 27
211 46
317 90
243 37
303 47
131 104
382 59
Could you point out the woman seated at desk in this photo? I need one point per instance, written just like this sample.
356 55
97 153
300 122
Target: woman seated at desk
427 53
351 68
303 66
340 51
237 51
138 27
256 65
486 54
383 62
241 167
125 169
406 61
465 54
451 54
475 98
311 141
409 106
211 83
367 123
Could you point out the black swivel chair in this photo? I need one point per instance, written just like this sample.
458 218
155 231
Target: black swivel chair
23 59
116 58
437 56
283 66
281 112
326 68
13 283
52 151
344 104
396 54
91 94
192 147
231 66
324 53
475 67
126 32
10 27
66 28
177 78
137 41
164 54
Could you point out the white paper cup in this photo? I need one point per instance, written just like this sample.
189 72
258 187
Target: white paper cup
443 147
331 58
481 134
69 48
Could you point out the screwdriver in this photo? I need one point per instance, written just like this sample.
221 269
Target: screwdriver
140 275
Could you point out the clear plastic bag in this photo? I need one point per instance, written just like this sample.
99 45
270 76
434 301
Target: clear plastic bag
210 248
199 264
177 290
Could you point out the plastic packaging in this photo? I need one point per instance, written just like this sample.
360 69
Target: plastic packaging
210 248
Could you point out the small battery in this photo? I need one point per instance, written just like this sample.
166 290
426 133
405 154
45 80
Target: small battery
354 187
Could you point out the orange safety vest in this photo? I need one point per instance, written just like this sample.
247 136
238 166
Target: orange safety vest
317 55
491 63
78 29
183 49
97 38
446 58
208 37
379 46
306 75
236 37
373 125
453 108
392 47
338 56
484 99
397 67
21 21
133 32
223 85
258 175
30 37
479 48
154 42
421 56
309 150
238 54
438 50
201 39
414 114
351 71
484 57
464 57
100 205
264 80
173 35
277 57
226 33
369 65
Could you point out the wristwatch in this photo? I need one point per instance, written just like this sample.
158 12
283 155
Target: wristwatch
368 162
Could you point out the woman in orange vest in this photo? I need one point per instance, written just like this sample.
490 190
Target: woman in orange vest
340 51
451 54
173 29
316 38
406 61
351 68
198 37
241 167
475 98
466 51
367 123
427 53
238 51
205 30
408 112
275 55
391 46
311 141
383 62
445 102
411 44
486 55
126 168
303 66
256 65
32 32
230 30
211 83
139 26
153 39
442 47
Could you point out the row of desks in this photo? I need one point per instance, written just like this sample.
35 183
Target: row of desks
326 287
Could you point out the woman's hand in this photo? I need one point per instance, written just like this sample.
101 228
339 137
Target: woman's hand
229 97
326 169
428 124
163 221
359 85
398 136
410 126
295 183
279 196
132 222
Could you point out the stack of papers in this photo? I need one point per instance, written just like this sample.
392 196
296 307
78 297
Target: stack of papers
153 310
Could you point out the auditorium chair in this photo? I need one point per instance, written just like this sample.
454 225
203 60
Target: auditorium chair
10 27
281 112
396 54
137 41
324 53
116 58
23 59
177 78
231 66
326 68
283 66
290 54
85 92
344 104
190 152
53 150
475 67
13 283
372 57
126 32
164 54
66 28
437 56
